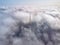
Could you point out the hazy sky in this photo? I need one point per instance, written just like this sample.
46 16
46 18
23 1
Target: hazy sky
28 2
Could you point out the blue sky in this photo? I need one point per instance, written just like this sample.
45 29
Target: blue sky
25 2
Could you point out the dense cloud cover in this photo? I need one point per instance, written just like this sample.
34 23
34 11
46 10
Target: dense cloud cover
29 26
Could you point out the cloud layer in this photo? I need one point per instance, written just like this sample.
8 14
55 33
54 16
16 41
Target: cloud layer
29 26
